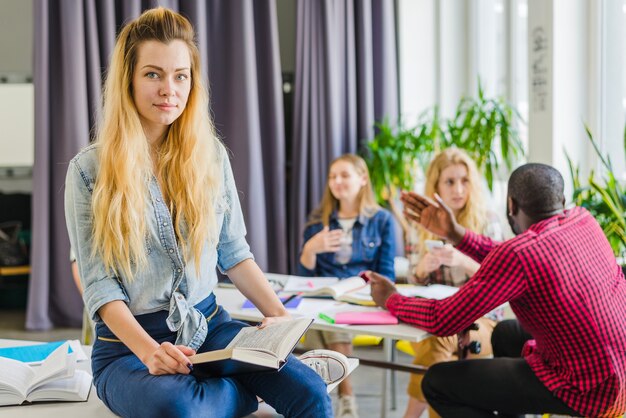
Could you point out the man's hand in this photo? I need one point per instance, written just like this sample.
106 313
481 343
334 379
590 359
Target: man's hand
436 217
381 288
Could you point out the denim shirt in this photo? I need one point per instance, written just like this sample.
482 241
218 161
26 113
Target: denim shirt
373 248
168 281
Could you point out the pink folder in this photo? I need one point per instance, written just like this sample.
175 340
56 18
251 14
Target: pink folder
365 318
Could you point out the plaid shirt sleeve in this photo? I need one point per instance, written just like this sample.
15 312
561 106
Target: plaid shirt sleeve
500 278
476 246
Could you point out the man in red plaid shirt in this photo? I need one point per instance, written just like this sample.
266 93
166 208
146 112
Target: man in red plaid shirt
562 281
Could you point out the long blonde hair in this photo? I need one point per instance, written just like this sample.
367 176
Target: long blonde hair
473 215
189 159
329 204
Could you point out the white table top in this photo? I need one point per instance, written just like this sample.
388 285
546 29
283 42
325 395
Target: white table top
232 300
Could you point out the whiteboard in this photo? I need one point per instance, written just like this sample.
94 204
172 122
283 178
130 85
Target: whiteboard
17 125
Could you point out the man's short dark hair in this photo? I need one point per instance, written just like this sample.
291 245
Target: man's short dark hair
537 189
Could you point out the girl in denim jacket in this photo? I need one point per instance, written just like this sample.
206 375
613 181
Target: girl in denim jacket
151 210
347 234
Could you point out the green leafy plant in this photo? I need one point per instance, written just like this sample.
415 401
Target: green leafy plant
392 155
604 198
484 127
487 129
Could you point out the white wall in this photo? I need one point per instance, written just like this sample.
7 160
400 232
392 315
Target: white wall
17 122
16 38
417 26
16 97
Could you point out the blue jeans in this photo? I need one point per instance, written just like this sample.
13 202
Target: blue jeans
123 383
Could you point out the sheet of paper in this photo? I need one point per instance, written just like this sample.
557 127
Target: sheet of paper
433 291
307 284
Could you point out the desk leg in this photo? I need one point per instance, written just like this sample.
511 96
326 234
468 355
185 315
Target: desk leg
392 359
388 350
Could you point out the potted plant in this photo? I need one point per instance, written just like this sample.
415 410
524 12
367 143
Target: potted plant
394 158
486 128
604 198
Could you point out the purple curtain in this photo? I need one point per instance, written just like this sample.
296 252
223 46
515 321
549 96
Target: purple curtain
346 78
73 40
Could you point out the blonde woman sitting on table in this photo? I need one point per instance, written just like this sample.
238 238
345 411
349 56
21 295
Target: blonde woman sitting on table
453 175
347 234
152 209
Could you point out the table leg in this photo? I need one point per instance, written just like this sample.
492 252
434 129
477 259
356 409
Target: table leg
388 349
392 359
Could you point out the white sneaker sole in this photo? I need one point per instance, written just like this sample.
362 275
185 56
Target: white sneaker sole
332 366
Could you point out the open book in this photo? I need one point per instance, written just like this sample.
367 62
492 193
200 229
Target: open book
56 379
253 350
352 290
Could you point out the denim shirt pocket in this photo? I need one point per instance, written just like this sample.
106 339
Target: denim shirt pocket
370 246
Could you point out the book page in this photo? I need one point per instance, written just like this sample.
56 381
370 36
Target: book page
58 364
355 285
275 338
15 376
74 388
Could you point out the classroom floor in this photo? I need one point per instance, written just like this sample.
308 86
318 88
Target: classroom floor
367 381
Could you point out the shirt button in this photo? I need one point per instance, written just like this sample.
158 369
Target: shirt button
180 297
179 270
171 250
371 245
164 224
158 199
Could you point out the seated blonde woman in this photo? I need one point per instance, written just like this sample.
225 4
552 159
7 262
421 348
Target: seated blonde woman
453 175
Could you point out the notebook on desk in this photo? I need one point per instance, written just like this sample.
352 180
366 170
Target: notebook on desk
291 304
343 317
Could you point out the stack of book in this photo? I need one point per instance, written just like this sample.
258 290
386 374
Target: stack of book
44 372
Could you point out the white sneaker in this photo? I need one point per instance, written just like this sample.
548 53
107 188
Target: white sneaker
330 365
346 407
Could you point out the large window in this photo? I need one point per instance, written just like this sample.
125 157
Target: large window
446 47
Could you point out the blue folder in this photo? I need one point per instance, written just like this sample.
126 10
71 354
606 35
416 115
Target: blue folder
31 353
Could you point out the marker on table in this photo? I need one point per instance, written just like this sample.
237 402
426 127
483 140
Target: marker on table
310 284
326 318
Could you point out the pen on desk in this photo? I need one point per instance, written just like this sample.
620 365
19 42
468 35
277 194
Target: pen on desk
290 298
326 318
